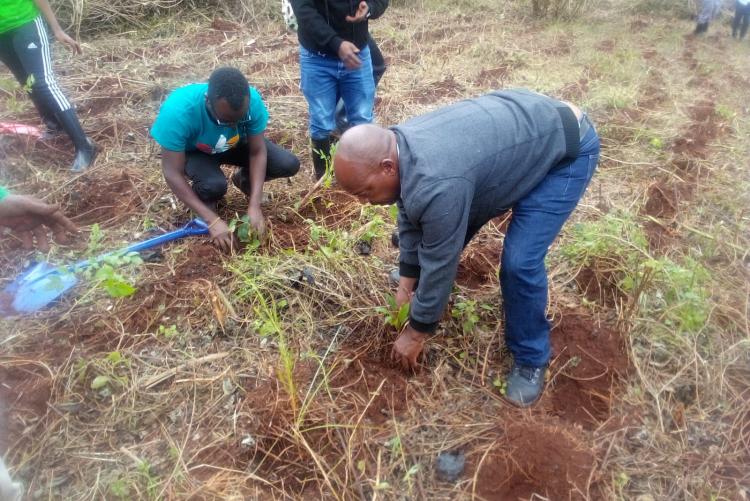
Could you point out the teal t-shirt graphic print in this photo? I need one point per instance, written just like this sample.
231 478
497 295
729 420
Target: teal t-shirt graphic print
183 122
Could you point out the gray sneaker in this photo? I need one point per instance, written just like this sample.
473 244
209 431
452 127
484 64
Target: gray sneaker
394 276
524 385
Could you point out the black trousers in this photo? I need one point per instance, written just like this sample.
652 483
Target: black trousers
208 181
741 19
26 52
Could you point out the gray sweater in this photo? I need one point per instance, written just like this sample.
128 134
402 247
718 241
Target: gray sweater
462 165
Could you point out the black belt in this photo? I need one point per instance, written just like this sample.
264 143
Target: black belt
571 129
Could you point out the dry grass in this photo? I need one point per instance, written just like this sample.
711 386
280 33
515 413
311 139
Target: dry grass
199 405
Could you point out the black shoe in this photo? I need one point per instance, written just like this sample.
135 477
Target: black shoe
321 154
86 150
524 385
84 156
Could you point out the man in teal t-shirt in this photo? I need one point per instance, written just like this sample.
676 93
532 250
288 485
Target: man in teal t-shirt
205 125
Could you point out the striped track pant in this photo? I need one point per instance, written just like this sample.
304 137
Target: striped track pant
26 52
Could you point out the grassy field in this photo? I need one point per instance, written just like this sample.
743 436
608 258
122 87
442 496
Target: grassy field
265 374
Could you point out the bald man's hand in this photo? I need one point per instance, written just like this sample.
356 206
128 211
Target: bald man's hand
30 218
407 348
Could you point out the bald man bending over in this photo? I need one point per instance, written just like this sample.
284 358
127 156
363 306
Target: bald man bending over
451 171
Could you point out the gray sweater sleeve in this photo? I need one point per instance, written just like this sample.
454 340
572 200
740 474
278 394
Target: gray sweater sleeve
409 237
443 221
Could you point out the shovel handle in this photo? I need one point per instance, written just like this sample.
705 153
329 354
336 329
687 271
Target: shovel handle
193 228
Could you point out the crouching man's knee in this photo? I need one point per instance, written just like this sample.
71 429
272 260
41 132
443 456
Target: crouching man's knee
289 165
210 190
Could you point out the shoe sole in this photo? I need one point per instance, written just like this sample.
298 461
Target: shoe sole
525 406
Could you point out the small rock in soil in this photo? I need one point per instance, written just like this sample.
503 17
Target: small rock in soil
152 256
363 248
450 465
394 238
304 276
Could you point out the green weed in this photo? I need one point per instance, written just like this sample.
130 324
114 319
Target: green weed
675 291
466 312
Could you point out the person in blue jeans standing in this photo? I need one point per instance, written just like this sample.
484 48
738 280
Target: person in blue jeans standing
335 63
451 171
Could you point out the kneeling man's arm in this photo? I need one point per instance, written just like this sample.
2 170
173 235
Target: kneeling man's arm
173 167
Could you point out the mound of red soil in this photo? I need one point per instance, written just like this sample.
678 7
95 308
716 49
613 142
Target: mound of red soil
705 127
591 360
599 286
533 460
370 379
662 200
24 392
103 200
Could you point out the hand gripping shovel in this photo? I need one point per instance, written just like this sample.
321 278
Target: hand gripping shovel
42 282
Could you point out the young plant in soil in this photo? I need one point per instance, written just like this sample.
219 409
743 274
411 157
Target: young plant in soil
394 315
245 234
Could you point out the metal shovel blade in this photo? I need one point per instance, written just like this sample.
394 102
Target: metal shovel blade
42 283
39 286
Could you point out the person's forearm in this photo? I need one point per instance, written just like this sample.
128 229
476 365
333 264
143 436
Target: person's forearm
258 162
49 15
185 193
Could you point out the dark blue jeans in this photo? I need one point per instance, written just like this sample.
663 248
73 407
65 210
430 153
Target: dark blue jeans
536 222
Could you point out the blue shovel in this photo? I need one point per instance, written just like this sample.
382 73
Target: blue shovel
42 283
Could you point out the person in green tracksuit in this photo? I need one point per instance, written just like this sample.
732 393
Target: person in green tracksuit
25 49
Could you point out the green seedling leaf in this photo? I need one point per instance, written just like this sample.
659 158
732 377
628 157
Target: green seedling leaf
402 316
99 382
361 465
115 357
118 288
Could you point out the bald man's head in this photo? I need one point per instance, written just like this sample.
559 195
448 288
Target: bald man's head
366 164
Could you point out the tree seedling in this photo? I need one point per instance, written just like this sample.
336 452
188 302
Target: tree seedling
394 315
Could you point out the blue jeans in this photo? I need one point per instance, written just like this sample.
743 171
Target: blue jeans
324 79
536 221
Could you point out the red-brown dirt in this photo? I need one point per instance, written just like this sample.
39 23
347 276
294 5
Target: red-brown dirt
24 392
599 286
660 237
358 379
288 235
432 92
575 90
165 300
479 264
538 459
662 200
104 200
705 127
589 361
331 208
